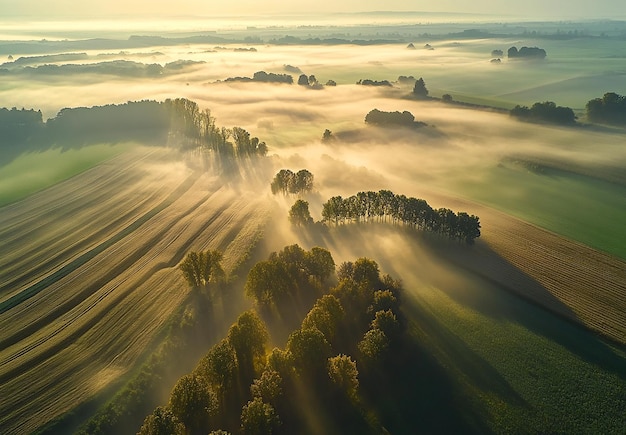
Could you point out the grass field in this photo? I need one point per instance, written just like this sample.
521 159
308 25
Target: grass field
526 370
581 208
32 172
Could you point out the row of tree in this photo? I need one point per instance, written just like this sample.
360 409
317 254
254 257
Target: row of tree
239 387
392 119
288 182
179 122
416 213
547 112
526 53
286 273
610 109
264 77
197 128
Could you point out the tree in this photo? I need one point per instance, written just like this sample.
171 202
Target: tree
419 89
325 316
343 373
219 366
320 263
259 418
202 268
391 119
309 350
193 402
299 214
446 98
303 181
286 181
282 181
162 422
374 344
366 271
248 338
269 282
280 361
327 136
303 80
610 109
383 300
387 322
268 387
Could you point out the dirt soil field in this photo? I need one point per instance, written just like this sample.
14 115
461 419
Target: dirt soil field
572 280
88 275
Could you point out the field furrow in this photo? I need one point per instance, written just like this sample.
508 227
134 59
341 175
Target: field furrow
74 334
38 251
575 281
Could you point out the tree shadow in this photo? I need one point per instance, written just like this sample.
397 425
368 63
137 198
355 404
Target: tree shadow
526 302
475 276
414 393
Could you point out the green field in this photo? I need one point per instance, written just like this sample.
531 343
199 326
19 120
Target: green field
581 208
32 172
522 369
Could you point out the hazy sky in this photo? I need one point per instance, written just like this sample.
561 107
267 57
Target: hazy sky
552 9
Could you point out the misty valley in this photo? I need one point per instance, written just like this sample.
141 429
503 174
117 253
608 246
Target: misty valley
365 223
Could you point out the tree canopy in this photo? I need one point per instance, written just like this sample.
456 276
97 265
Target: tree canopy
413 212
610 109
545 112
288 182
299 214
286 272
202 268
392 119
526 53
419 89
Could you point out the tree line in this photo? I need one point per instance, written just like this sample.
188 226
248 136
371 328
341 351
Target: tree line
413 212
545 112
179 122
392 119
342 346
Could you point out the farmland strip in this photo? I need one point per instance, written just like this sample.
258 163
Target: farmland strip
67 269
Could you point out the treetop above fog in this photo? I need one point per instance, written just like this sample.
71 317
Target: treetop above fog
392 119
526 53
610 109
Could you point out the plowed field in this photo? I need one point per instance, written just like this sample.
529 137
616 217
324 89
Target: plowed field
572 280
88 275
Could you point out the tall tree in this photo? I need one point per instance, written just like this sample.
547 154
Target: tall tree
162 422
343 372
299 214
202 268
259 418
419 90
194 403
248 337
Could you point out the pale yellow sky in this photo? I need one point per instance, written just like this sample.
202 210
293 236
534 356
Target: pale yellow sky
203 8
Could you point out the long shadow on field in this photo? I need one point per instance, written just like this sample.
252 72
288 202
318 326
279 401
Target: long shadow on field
474 276
538 310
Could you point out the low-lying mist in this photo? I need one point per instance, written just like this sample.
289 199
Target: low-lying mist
459 147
